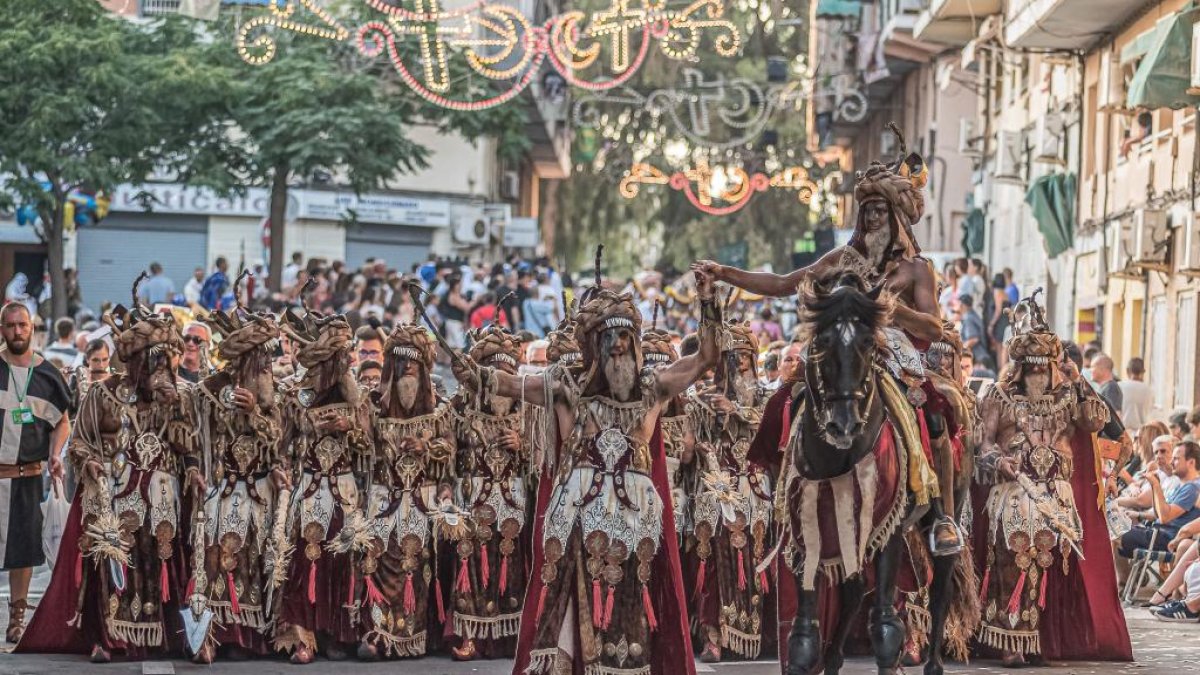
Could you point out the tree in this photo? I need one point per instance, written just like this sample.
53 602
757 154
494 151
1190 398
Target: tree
91 101
316 108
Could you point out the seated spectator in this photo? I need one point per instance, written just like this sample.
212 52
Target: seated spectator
1138 498
1184 576
1171 510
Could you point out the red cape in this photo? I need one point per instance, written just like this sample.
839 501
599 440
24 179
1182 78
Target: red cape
672 649
1084 620
48 632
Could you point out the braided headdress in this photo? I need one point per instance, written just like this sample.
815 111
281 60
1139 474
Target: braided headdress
407 342
492 345
899 184
139 329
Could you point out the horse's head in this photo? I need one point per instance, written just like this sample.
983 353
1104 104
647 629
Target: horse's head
843 320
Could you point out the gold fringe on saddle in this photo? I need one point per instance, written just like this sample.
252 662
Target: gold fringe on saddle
135 633
394 645
494 627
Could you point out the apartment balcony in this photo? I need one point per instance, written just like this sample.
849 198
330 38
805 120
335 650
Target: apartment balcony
1066 24
953 22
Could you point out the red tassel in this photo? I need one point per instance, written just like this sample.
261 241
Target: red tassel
741 573
503 574
650 618
485 569
350 594
191 589
541 604
437 594
79 569
608 608
700 576
1042 596
464 578
410 597
762 581
374 597
312 583
233 598
1014 601
987 574
597 605
164 585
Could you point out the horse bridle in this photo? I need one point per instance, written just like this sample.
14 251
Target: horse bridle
815 391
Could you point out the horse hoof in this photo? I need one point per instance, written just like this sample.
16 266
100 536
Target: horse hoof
367 651
302 656
100 655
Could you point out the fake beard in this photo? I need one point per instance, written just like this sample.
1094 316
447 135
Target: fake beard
877 244
1037 384
745 386
621 375
406 392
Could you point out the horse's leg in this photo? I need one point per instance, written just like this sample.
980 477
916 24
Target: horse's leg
887 630
804 642
851 597
941 593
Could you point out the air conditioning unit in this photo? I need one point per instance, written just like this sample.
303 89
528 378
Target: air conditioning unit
1047 134
1189 260
969 143
1195 57
1150 239
510 185
1121 246
1009 153
472 227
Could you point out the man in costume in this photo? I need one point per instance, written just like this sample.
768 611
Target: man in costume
882 250
123 568
606 595
36 425
327 439
411 480
1049 588
240 428
733 509
493 486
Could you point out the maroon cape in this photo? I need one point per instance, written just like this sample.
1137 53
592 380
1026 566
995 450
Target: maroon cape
672 648
48 631
1083 620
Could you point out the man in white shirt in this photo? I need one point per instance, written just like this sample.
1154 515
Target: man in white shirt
191 290
1137 398
1138 496
287 278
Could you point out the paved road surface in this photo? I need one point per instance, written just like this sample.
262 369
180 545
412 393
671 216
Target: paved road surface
1160 649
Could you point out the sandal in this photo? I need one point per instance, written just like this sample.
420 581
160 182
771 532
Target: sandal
16 620
1151 602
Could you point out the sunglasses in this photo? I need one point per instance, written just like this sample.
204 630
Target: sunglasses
194 339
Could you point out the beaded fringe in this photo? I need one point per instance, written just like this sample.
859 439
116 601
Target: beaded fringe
137 634
744 644
250 616
598 669
397 646
495 627
1020 642
541 661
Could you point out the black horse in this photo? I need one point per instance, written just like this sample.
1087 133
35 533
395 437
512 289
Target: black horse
843 417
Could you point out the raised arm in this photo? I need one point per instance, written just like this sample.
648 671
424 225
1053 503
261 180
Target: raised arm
530 388
676 378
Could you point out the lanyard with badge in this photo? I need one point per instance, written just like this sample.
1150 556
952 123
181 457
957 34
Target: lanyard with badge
22 414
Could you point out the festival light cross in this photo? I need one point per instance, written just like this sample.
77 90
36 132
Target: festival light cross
499 43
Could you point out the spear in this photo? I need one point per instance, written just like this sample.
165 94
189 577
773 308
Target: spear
416 293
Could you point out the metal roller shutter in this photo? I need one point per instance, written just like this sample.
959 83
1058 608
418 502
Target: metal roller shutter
399 245
111 255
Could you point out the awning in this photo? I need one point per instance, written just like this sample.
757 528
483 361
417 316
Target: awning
1052 199
1164 75
1140 46
973 231
851 8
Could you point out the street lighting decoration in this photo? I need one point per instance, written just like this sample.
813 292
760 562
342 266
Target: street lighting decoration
721 189
500 44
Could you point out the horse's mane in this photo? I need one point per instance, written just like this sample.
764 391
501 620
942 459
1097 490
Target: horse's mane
826 299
